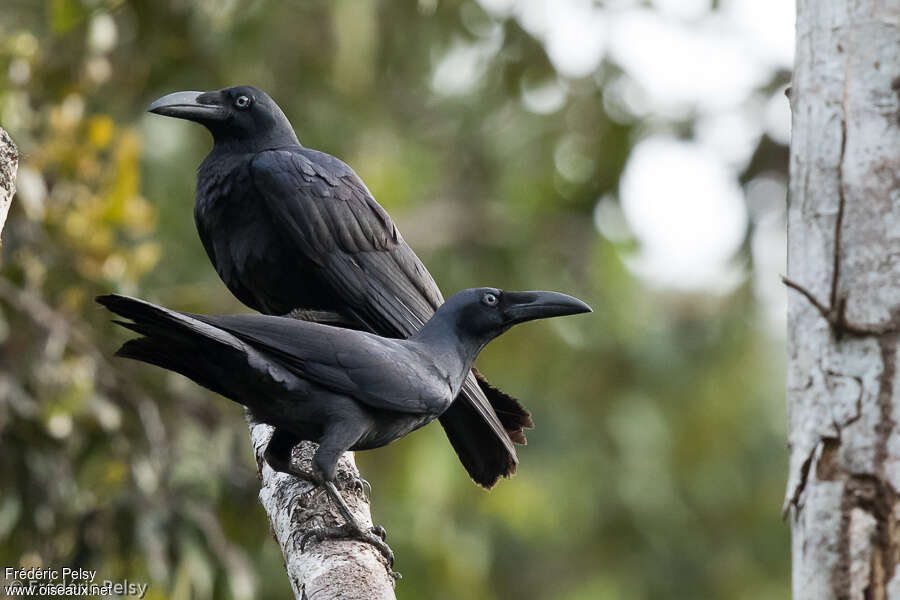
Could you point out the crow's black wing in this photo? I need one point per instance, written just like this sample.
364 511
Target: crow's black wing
380 372
324 209
237 354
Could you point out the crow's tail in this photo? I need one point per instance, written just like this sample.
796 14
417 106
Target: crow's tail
178 342
515 417
482 424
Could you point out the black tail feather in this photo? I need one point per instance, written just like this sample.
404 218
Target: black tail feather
178 343
485 456
480 451
515 417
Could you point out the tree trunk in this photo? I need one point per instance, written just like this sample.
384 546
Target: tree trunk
323 570
843 391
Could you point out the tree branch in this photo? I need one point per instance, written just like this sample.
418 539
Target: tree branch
9 163
327 569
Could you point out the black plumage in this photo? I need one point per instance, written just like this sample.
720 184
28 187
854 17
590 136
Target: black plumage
292 230
344 389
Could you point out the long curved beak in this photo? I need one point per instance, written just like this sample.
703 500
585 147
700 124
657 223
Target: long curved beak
193 106
527 306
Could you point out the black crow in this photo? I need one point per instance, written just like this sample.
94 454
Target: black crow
295 231
344 389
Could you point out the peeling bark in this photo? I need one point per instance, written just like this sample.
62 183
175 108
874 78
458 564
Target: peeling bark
9 163
844 325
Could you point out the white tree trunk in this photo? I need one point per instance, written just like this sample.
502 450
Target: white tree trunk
843 390
330 569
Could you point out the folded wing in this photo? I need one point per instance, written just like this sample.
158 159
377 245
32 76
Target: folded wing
379 372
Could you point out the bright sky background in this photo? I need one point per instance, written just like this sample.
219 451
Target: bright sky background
680 198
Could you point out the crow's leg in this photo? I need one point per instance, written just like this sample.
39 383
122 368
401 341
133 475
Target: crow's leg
337 439
278 455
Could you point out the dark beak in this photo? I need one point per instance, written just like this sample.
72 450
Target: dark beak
193 106
527 306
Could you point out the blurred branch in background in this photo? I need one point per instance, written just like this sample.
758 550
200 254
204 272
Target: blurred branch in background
615 150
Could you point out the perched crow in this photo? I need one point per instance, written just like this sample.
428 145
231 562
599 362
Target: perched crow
344 389
294 231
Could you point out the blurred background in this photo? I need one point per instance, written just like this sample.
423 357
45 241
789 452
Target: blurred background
632 153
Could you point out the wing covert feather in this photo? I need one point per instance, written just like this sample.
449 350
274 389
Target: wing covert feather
334 222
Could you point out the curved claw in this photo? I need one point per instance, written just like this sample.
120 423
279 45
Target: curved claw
382 547
348 531
380 532
300 502
304 539
363 487
316 532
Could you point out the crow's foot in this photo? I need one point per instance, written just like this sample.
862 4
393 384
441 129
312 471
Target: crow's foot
362 486
312 476
350 531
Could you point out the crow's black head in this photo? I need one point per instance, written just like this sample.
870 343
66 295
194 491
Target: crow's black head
478 315
241 116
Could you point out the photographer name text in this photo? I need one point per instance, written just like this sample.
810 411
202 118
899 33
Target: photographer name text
67 582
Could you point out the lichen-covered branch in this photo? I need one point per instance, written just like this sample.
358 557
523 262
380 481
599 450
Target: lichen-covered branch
9 163
843 325
329 569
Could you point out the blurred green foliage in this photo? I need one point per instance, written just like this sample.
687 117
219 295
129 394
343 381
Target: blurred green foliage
656 468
